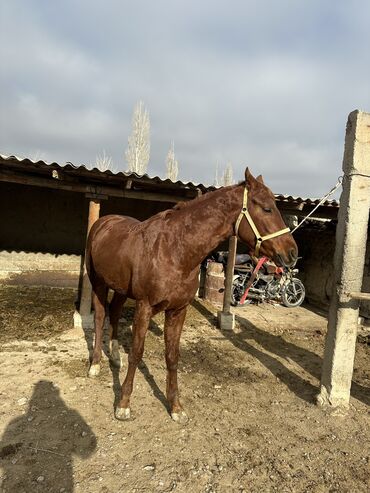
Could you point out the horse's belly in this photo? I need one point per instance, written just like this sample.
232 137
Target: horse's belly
175 292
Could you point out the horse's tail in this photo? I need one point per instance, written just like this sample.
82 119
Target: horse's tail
89 261
88 254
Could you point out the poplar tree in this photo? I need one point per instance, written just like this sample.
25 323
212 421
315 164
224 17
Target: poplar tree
172 165
138 149
227 178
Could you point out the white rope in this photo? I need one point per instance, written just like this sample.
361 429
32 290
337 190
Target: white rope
321 201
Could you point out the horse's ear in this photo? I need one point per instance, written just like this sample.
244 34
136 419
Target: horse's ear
249 179
260 179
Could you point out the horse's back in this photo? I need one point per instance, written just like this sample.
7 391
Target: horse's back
112 221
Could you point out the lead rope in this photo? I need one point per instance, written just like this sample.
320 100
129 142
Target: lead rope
340 179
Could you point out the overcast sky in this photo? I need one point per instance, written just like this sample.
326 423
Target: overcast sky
268 84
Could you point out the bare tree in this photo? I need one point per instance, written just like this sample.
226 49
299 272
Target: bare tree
104 162
172 164
37 155
138 150
227 177
216 182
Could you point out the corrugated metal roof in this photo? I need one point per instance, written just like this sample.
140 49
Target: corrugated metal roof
83 170
306 201
98 175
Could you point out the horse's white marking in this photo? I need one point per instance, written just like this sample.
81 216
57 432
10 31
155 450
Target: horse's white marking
123 413
94 370
180 417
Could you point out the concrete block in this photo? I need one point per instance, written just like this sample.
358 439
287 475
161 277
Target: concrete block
226 321
349 261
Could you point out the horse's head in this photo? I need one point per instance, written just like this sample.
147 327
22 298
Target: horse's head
261 226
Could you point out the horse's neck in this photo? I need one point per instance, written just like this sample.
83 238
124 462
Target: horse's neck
209 222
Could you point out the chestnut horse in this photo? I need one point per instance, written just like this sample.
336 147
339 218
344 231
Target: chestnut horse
156 262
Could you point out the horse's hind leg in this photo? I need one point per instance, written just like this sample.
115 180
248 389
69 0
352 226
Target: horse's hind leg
174 322
140 326
115 310
99 298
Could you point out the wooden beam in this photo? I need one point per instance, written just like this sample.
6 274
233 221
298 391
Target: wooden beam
57 184
226 319
229 274
359 296
323 212
283 206
97 196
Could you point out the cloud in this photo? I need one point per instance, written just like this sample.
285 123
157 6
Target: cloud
268 84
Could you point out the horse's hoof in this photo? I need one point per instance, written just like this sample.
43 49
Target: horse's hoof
94 370
123 413
180 417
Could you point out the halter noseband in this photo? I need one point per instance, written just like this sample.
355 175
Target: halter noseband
259 238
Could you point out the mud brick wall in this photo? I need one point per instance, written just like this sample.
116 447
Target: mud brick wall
316 244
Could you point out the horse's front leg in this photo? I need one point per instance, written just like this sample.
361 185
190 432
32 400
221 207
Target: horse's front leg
143 313
174 321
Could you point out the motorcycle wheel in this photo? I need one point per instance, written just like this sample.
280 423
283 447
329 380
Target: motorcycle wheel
234 296
293 293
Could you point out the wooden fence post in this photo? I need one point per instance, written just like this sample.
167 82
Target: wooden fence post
84 318
226 319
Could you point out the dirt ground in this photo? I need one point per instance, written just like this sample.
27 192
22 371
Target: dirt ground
249 395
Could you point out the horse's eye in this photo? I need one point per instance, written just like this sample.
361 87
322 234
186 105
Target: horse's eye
267 209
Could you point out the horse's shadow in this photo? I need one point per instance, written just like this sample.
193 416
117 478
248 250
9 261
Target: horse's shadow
125 340
309 361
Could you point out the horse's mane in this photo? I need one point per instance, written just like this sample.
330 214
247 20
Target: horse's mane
180 206
201 198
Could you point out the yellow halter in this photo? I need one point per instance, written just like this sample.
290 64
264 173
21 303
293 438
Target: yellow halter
259 238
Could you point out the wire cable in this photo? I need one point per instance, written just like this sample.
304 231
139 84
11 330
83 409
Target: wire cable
338 184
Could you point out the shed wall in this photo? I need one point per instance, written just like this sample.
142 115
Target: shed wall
316 247
43 232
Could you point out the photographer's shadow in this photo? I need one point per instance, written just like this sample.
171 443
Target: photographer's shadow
37 448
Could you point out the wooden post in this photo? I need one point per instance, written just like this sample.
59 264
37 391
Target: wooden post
85 302
349 262
226 318
360 296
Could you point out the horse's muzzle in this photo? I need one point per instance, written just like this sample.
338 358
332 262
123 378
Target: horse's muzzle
286 260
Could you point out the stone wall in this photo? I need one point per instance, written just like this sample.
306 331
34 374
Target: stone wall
46 269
